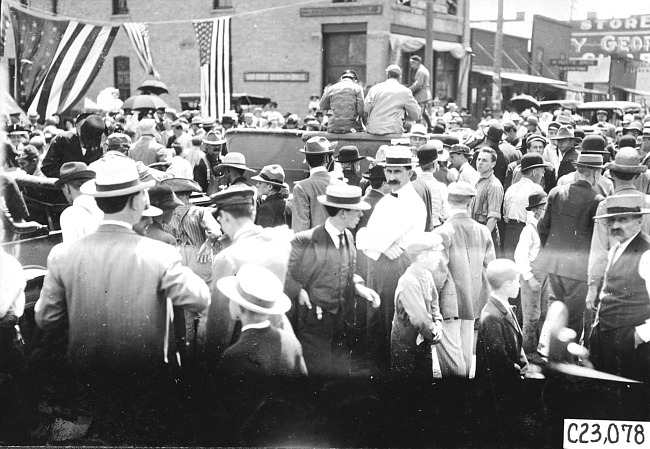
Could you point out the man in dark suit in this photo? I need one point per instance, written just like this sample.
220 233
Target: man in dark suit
81 145
506 153
307 212
350 160
565 142
499 351
255 293
565 234
322 276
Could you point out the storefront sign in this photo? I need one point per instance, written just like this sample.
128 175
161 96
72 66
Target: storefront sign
596 37
574 63
287 77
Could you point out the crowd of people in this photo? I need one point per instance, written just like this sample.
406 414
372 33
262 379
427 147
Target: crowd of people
346 273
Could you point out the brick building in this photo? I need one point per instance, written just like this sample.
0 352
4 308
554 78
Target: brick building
281 49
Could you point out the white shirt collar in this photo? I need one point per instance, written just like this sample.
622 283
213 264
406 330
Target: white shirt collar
240 231
626 243
317 169
124 224
453 212
333 232
263 325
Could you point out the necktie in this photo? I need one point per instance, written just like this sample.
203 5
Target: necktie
394 194
341 242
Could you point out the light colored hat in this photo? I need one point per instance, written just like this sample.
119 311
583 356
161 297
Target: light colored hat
271 174
147 126
398 156
418 130
213 138
424 241
343 196
589 160
152 211
626 161
196 120
115 177
624 205
235 160
72 171
318 145
394 68
564 132
461 188
257 289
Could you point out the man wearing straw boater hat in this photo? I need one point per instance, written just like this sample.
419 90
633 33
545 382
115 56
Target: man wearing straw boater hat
255 294
115 299
397 216
307 212
625 171
322 277
619 341
565 233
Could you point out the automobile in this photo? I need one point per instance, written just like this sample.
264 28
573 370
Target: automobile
620 108
551 105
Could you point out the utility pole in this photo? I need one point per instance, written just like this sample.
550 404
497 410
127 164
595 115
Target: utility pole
428 46
498 58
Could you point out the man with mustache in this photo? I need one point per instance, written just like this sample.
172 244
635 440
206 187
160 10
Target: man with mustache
619 341
397 216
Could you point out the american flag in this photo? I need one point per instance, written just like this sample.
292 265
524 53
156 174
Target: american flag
56 60
139 36
213 37
4 26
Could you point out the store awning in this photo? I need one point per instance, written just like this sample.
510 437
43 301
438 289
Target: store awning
410 44
581 90
522 77
643 93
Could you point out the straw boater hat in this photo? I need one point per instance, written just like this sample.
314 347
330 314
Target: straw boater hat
72 171
343 196
235 160
626 161
318 145
589 161
116 177
623 206
418 130
397 156
271 174
257 289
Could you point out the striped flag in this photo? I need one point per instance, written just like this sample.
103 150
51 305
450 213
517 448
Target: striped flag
213 37
139 36
4 26
56 60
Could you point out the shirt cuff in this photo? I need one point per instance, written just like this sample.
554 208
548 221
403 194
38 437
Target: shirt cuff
496 215
644 331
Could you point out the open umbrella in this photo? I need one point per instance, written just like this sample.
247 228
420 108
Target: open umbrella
153 87
144 102
523 101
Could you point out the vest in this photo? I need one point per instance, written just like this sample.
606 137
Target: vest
625 299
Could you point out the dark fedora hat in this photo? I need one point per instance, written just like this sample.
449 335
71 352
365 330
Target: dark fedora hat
494 131
532 160
72 171
179 185
536 199
349 153
375 173
428 152
594 143
163 197
450 140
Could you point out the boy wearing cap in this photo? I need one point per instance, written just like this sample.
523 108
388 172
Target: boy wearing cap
619 340
117 322
459 156
322 277
29 161
389 103
534 283
272 210
255 294
83 216
499 352
345 100
417 322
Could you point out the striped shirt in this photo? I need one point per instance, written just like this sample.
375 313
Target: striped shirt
193 225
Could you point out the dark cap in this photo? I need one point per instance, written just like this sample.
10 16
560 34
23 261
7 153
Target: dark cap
162 197
179 185
427 153
627 141
233 196
375 173
594 143
532 160
536 199
449 141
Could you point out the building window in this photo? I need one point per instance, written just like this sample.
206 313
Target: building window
120 7
217 4
344 47
452 7
122 76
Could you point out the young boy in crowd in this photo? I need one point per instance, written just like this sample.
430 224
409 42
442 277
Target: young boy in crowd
499 351
417 319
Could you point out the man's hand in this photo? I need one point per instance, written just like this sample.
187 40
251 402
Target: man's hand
590 301
205 253
368 294
394 252
437 332
303 298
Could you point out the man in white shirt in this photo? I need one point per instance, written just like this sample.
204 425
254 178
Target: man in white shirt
515 201
534 283
619 340
83 216
427 157
459 156
396 218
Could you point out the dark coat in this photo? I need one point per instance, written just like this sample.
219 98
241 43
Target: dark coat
566 166
272 211
264 352
565 230
498 348
66 147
